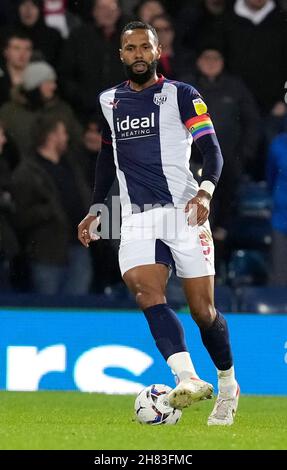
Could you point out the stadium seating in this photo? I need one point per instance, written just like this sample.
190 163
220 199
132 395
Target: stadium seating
263 300
250 236
242 299
225 299
254 199
247 267
250 233
251 228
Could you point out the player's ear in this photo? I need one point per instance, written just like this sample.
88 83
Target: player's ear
159 51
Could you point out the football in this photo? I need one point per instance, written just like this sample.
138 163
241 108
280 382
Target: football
152 406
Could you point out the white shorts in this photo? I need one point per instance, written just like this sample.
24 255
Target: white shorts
162 235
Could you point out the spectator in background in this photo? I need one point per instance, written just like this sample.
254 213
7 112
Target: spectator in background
7 12
51 195
148 9
174 62
255 47
59 17
81 8
90 61
104 254
254 37
91 145
129 6
17 55
37 97
283 4
199 21
47 41
276 175
237 123
9 246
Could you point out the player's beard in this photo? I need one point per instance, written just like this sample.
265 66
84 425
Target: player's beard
143 77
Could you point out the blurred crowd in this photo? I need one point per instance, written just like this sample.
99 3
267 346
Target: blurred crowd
57 55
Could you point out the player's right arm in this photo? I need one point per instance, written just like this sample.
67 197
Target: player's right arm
104 178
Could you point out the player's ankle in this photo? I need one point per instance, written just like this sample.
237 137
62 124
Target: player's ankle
182 365
227 385
187 375
227 392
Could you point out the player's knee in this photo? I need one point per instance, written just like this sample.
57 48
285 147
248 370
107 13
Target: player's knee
203 314
146 298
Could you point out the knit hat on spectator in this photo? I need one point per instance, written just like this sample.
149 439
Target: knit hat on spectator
36 73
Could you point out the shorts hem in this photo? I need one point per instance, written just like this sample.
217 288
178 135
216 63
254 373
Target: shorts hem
192 276
145 264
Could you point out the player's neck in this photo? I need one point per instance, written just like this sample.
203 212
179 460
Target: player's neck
136 87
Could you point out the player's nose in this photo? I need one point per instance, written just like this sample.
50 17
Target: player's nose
138 54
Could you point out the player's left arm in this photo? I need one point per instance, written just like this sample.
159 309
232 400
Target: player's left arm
204 136
194 114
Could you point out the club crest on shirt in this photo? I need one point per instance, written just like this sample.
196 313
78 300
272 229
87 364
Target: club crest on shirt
159 98
199 106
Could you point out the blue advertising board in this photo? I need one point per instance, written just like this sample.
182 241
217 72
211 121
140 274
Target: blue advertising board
114 352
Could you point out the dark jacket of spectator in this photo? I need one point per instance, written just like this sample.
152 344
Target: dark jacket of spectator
5 85
23 110
258 54
90 63
7 11
9 159
81 9
19 118
196 23
236 121
234 115
40 212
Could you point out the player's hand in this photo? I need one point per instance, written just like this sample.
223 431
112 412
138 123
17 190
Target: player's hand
86 228
198 208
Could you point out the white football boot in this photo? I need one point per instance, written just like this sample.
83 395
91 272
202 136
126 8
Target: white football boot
224 410
189 391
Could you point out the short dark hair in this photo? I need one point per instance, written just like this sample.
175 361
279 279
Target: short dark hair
37 3
138 25
141 3
208 44
43 127
163 16
16 34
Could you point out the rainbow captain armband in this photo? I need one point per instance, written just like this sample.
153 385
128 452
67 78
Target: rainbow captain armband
200 126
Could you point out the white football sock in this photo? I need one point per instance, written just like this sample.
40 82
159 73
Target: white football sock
181 365
227 384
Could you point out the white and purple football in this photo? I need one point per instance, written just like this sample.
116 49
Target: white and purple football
152 406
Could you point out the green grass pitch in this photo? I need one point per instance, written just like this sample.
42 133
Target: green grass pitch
74 420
